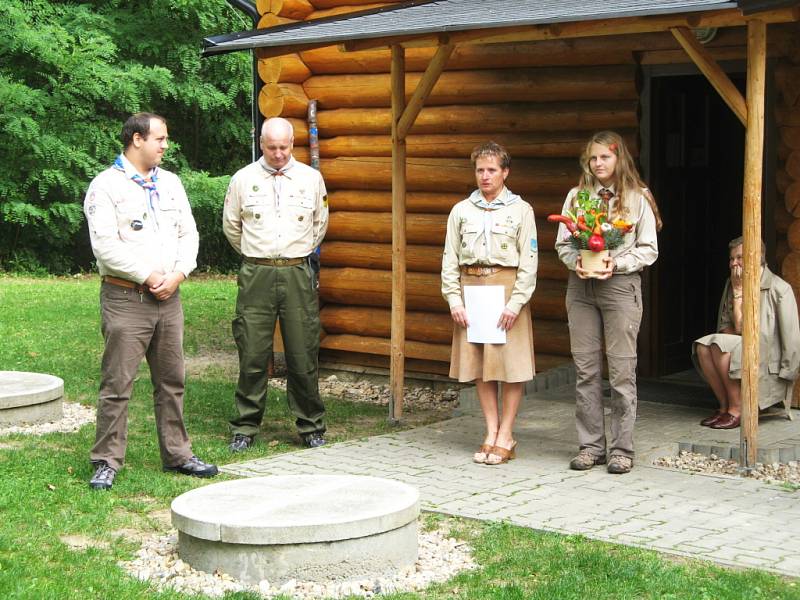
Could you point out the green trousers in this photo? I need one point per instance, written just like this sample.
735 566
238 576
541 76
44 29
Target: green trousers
268 293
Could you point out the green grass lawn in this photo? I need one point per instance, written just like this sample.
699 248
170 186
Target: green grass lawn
52 326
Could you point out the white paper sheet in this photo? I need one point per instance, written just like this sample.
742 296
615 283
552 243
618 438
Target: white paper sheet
484 305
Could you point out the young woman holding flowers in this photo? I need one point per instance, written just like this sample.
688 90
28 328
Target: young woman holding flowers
605 305
491 240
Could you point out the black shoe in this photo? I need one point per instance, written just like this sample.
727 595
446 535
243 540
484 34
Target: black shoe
313 440
240 442
103 477
195 467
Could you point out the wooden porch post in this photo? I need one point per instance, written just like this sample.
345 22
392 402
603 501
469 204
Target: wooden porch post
398 339
751 227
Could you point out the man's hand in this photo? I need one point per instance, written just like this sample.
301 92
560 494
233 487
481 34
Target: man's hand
507 320
168 285
459 314
154 279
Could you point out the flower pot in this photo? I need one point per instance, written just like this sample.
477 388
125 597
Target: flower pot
594 261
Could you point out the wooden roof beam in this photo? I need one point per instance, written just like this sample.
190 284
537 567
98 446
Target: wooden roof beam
713 72
424 88
627 25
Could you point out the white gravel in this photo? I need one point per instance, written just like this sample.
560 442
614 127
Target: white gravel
157 561
363 390
700 463
73 418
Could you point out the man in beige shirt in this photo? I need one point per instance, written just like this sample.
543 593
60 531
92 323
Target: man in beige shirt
275 216
145 241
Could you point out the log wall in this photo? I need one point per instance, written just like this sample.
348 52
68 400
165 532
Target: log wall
541 100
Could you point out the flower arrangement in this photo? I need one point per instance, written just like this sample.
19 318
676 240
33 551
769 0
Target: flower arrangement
589 225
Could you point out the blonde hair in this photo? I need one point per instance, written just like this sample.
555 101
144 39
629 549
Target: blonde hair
491 150
626 176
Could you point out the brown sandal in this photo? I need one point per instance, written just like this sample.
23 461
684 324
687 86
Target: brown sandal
480 456
503 454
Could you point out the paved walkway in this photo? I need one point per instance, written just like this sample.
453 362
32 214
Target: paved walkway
729 520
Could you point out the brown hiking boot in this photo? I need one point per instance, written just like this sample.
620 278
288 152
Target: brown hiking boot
585 461
620 464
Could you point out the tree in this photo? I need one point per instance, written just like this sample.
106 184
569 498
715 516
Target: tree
71 72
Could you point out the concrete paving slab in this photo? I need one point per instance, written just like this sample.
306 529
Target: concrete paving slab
692 515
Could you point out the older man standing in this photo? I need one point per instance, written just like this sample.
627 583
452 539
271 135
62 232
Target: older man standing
275 216
145 241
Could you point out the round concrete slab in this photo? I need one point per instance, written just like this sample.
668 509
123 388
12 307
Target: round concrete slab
310 527
30 397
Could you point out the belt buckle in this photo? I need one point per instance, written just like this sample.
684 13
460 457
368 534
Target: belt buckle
281 261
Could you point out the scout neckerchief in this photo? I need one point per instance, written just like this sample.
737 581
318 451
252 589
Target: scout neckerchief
277 176
149 184
504 198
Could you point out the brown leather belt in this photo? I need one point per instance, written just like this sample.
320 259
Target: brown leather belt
275 262
479 271
140 289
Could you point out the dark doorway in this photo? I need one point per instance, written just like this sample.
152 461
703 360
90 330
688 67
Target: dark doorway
696 173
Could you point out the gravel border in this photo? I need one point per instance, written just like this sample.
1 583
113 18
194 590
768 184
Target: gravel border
713 465
157 561
74 416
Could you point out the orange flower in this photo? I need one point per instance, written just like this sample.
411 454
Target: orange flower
623 225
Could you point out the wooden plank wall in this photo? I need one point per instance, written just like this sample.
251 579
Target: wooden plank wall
541 100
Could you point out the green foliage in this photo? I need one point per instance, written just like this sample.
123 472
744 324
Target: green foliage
71 73
207 195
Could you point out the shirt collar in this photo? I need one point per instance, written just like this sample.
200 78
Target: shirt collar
283 170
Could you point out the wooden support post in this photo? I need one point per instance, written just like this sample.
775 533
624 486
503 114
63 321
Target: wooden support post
715 75
398 340
751 225
424 88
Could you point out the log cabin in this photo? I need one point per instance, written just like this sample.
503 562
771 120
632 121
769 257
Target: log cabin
671 77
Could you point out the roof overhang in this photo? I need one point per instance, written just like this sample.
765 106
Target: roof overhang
432 22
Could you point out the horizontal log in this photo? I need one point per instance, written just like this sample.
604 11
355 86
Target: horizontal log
426 202
300 126
555 144
790 271
268 20
283 100
793 165
420 228
288 68
352 4
291 9
781 250
478 87
344 360
791 137
491 119
551 337
302 153
782 180
335 11
783 151
793 235
719 54
603 50
791 199
421 258
787 80
782 218
367 287
529 178
787 116
377 345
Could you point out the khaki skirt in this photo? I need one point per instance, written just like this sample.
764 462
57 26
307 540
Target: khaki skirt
510 362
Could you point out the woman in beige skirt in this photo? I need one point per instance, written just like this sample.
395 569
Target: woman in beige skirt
491 240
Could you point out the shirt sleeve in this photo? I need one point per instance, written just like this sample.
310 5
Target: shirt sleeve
107 246
644 251
320 212
789 328
528 248
232 215
188 238
567 253
451 275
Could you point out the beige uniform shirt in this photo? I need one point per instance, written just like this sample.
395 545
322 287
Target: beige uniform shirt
129 238
274 216
512 243
639 246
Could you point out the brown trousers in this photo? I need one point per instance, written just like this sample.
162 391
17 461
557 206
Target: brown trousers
610 311
136 327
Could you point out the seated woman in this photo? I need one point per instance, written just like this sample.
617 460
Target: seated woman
718 356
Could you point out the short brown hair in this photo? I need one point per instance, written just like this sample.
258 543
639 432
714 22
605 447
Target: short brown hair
138 123
491 149
739 241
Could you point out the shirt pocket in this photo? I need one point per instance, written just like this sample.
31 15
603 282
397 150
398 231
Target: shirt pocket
133 220
301 211
504 241
254 208
468 232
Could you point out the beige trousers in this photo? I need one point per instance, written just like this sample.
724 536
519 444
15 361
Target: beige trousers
136 327
607 311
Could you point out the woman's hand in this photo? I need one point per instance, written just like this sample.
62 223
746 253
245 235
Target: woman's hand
507 320
736 280
608 270
580 271
459 314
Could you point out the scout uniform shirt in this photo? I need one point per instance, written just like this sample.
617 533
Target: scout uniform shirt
639 246
132 236
511 234
275 214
